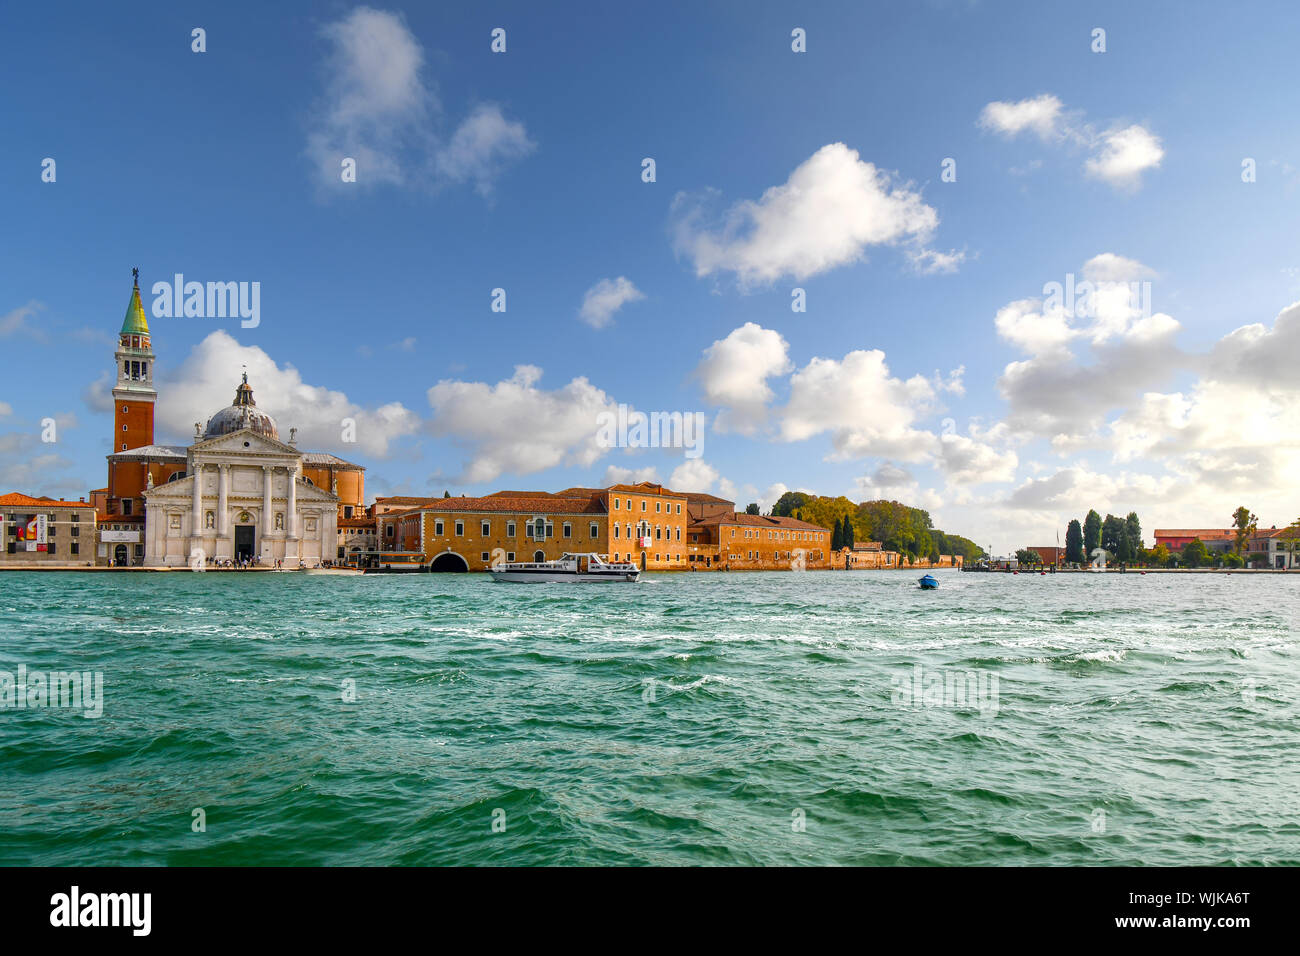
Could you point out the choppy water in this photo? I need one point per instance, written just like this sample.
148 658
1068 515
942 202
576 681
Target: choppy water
699 718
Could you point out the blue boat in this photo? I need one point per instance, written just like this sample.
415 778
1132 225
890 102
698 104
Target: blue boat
929 582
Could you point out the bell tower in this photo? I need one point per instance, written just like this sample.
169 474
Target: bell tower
133 394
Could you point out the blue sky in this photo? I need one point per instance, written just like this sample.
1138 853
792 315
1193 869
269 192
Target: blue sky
522 170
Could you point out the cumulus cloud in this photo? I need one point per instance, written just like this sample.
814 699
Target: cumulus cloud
1040 115
1119 154
833 207
378 109
734 374
205 382
19 320
1125 155
514 426
605 298
616 475
693 475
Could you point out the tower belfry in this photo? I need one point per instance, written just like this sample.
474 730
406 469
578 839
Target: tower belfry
134 396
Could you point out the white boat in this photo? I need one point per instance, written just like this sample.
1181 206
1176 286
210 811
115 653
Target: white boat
567 567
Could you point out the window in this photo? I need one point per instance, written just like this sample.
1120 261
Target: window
52 548
679 534
126 506
657 504
510 531
437 528
76 548
679 507
52 530
615 504
629 504
124 426
568 530
510 555
460 529
594 530
487 528
643 504
484 556
539 556
539 529
124 409
616 530
658 533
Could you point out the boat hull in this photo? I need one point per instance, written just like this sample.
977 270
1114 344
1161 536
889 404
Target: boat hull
544 577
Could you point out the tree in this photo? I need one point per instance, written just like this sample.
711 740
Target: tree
446 494
1133 532
751 508
1246 524
1074 542
1292 538
1195 554
1113 538
1027 556
1091 533
785 505
1160 556
837 537
848 533
1231 560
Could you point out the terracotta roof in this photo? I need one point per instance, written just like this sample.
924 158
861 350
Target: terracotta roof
866 545
1202 533
711 499
404 500
764 521
521 494
356 522
16 499
646 488
551 505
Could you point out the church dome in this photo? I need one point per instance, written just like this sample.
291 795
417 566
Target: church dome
242 414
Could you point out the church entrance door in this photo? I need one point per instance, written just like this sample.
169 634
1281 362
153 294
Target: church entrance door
243 542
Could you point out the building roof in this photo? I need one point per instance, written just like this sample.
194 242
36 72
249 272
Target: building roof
531 505
325 459
646 488
174 452
357 522
1215 534
405 500
708 499
764 521
135 323
242 413
16 499
866 545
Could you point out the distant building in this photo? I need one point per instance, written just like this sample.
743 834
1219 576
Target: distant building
1050 554
1215 539
44 531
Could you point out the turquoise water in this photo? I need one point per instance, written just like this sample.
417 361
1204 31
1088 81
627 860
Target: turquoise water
722 719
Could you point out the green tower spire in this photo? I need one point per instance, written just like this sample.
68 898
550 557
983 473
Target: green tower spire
135 322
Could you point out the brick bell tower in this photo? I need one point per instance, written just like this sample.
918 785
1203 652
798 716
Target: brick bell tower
133 397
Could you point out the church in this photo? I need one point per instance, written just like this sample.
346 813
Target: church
238 492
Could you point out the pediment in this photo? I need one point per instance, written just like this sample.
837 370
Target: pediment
234 443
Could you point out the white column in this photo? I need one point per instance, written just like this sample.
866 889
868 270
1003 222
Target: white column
196 508
291 517
223 501
268 520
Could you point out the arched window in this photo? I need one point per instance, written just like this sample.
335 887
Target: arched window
539 556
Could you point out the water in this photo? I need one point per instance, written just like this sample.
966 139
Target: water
749 718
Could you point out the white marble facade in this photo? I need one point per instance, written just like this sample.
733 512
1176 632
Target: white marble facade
243 495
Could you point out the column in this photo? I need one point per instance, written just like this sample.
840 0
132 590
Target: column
291 508
268 519
196 507
223 501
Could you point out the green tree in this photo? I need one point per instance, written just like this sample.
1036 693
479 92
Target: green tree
1113 539
1160 556
1292 538
751 508
1194 554
446 494
1245 524
1133 532
837 537
1028 556
787 504
1232 560
1091 533
1074 542
848 532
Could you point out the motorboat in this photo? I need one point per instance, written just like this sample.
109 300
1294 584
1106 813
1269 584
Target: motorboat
929 582
568 567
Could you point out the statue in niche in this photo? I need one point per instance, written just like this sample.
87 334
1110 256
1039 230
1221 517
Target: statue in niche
148 479
209 520
279 521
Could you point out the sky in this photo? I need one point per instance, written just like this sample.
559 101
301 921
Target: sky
851 255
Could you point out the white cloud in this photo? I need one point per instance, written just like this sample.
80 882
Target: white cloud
734 374
205 383
867 411
378 110
516 427
1120 155
1040 115
966 461
605 298
832 208
1125 155
693 475
18 320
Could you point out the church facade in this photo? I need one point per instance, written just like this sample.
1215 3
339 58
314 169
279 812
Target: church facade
238 492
